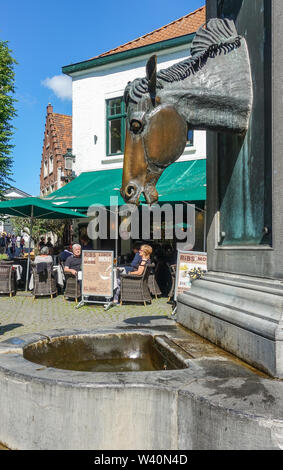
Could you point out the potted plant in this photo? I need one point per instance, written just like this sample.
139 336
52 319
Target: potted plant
4 259
196 273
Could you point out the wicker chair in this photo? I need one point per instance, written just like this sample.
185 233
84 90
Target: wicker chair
44 282
73 287
23 263
152 284
135 288
7 279
172 270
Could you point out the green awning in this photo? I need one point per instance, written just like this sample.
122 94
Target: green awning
36 208
181 181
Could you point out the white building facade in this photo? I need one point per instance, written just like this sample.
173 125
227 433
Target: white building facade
95 94
98 84
5 221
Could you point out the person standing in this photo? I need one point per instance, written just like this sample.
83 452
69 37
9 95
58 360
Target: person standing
49 243
22 245
86 243
8 241
14 244
41 243
2 243
18 246
10 244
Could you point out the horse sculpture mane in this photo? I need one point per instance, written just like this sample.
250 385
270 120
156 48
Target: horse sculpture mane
211 39
210 90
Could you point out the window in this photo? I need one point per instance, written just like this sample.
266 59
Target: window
45 168
116 126
50 164
190 138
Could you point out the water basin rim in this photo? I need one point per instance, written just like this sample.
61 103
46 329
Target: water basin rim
15 364
6 346
107 352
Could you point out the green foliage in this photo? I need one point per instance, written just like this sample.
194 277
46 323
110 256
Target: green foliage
7 113
40 227
4 257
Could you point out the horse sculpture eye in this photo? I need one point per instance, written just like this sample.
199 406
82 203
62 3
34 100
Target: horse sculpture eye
136 126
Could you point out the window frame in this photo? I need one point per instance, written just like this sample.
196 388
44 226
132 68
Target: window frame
109 118
45 168
193 135
50 164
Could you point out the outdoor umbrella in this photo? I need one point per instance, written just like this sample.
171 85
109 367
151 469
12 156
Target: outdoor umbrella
36 208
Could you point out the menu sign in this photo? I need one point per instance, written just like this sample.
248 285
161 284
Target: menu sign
186 261
97 267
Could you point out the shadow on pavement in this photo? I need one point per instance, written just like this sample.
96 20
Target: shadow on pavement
5 328
145 320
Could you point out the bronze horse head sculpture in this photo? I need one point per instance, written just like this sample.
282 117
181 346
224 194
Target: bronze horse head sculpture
211 90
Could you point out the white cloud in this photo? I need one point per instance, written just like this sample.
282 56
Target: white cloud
61 85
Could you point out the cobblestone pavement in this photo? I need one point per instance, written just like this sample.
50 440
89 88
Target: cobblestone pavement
21 314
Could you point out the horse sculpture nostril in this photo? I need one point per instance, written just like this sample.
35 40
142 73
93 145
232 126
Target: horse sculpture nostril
130 190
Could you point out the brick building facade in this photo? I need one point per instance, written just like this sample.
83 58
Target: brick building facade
57 140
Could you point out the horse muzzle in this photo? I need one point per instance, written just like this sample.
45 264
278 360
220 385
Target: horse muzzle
133 191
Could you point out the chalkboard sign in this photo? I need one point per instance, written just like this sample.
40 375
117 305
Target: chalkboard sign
186 261
97 268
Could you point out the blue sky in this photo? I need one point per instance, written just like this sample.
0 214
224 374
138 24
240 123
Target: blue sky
44 36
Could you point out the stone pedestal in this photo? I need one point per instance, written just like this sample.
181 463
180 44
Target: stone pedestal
238 305
241 314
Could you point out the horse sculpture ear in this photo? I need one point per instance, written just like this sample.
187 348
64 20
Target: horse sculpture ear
151 67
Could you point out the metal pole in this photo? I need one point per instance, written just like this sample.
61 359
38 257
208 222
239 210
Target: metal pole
117 232
204 229
29 247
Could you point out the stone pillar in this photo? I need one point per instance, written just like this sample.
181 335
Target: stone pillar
239 303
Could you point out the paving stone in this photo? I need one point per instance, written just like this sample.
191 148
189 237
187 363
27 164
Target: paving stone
21 314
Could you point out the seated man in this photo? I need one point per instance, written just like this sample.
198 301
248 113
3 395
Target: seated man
136 261
73 263
65 253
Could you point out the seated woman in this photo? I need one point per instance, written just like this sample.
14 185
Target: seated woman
44 256
145 251
41 263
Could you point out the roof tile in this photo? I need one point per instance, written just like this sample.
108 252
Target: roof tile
63 126
185 25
